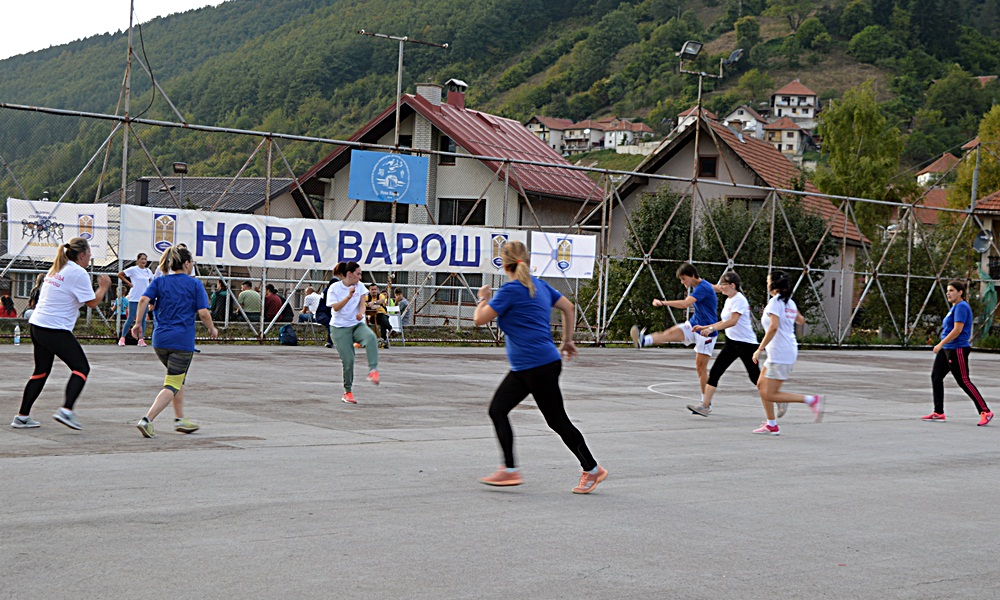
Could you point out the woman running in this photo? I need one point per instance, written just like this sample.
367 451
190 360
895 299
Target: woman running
178 298
346 298
523 309
66 289
741 340
953 355
779 319
136 277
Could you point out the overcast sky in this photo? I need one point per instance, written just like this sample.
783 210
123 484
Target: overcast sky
31 25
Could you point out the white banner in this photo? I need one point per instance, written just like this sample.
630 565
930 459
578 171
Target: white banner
259 241
35 228
562 255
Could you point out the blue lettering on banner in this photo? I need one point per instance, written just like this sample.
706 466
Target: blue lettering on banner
354 245
234 237
402 248
426 243
309 247
218 239
271 243
465 262
379 249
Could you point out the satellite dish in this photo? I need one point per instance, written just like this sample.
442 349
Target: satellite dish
981 243
586 132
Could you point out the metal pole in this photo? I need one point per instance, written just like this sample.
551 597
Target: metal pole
399 87
128 98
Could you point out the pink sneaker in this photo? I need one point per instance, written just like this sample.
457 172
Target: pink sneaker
817 407
142 343
589 481
348 397
934 417
766 429
985 418
121 341
503 477
373 377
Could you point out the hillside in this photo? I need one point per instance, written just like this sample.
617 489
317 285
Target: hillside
298 66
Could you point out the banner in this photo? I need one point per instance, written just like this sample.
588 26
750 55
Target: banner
381 177
562 255
259 241
35 228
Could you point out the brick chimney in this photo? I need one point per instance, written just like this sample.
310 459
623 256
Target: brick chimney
430 92
456 92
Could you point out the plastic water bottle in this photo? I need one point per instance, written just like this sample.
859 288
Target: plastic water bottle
17 335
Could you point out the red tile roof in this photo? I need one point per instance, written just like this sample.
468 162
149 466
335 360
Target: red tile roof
750 111
971 143
553 122
782 124
694 110
990 203
795 88
590 124
934 198
480 134
628 126
941 165
984 79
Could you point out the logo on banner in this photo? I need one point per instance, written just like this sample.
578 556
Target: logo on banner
499 241
85 225
164 231
390 177
564 254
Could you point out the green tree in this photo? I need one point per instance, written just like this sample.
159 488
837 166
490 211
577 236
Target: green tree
856 16
810 29
956 96
862 152
756 85
793 11
989 167
747 33
875 43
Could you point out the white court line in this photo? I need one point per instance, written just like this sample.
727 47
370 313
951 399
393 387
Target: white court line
655 391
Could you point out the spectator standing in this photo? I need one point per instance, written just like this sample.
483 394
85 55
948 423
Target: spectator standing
346 298
178 298
249 299
219 298
65 291
136 277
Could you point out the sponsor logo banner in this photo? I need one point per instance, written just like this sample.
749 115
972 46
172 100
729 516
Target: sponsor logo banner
563 255
381 177
36 228
259 241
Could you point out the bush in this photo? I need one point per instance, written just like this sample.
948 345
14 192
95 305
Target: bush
874 43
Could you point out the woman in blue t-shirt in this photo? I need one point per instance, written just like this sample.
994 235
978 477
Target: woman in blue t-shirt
178 297
523 309
953 355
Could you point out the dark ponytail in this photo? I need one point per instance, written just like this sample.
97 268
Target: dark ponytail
343 268
782 284
733 278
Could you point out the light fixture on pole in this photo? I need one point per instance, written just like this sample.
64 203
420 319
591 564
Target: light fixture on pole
399 70
181 168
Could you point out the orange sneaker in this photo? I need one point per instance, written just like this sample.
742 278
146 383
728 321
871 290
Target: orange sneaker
348 397
589 481
985 418
935 417
373 377
503 477
357 345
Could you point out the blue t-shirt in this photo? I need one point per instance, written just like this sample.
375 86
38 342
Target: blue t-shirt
178 298
527 323
962 313
707 306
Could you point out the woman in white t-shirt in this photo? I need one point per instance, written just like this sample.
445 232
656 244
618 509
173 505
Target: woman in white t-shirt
66 289
779 320
346 299
741 340
137 279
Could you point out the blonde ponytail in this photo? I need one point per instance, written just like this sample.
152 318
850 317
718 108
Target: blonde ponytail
69 251
515 259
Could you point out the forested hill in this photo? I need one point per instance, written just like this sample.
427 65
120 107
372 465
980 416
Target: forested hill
298 66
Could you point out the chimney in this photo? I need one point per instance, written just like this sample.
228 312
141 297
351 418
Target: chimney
430 92
141 192
456 92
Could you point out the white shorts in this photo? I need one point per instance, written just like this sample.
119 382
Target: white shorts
702 344
780 372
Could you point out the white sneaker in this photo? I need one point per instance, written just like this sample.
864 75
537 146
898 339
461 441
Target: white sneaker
20 422
121 341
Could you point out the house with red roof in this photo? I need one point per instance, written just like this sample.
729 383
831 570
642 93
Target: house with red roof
787 137
584 136
478 190
689 116
550 130
796 102
932 173
623 132
724 158
747 120
988 211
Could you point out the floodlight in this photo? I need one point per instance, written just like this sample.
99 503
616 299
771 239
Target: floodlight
735 56
690 50
180 167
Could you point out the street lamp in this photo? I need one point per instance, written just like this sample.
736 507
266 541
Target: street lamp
180 169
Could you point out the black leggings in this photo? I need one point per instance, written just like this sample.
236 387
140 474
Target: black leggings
957 363
48 344
730 352
384 327
543 384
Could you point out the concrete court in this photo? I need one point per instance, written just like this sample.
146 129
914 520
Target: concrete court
288 493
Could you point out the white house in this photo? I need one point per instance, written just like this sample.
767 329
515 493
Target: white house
584 136
747 120
690 116
932 173
623 132
786 136
796 102
550 130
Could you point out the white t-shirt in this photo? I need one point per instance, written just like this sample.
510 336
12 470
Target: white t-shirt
61 297
311 302
346 316
140 279
783 348
743 330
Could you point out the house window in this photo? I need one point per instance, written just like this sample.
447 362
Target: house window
446 144
381 212
23 285
802 100
454 212
451 296
784 99
751 204
739 112
790 134
779 112
708 166
405 141
788 147
795 111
